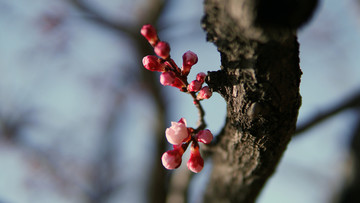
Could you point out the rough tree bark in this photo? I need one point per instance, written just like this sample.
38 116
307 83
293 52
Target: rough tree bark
259 80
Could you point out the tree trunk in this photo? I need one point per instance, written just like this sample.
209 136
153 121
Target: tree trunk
259 79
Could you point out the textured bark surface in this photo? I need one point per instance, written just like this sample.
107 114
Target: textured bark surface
259 79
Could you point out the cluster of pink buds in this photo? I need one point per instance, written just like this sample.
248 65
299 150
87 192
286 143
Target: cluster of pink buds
180 136
171 74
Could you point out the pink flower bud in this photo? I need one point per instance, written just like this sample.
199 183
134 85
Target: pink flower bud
152 63
177 132
189 59
196 162
201 77
149 32
167 78
204 136
172 158
178 83
162 49
194 86
204 93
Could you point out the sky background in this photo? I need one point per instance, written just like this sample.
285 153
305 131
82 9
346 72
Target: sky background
61 81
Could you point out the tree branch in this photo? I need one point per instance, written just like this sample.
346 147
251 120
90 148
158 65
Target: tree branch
351 192
104 168
178 188
157 188
352 102
100 19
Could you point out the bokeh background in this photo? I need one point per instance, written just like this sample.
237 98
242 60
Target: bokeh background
77 121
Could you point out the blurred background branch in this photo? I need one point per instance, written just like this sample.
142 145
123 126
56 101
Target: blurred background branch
352 102
95 16
351 189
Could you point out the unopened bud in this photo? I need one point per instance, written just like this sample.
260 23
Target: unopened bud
204 136
204 93
162 49
149 32
167 78
196 162
189 59
201 77
172 159
194 86
152 63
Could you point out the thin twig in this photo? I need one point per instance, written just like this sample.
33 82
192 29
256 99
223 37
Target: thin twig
201 122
